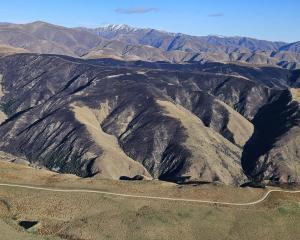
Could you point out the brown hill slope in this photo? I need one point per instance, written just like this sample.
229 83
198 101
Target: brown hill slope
110 118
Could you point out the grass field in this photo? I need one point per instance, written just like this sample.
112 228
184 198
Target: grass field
97 216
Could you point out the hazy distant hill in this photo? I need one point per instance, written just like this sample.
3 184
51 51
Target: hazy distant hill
126 43
177 41
42 37
293 47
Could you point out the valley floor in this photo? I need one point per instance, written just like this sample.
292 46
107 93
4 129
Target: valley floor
82 215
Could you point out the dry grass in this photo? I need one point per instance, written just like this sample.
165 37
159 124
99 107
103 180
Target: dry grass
11 231
19 174
295 94
207 159
8 50
113 162
96 216
241 128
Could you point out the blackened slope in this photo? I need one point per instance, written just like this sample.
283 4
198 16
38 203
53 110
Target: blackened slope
268 154
41 125
268 76
294 79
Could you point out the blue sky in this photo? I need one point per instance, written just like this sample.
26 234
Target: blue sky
263 19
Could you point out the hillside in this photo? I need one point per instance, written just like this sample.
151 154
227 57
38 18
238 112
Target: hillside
108 118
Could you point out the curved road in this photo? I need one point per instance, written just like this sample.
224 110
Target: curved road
148 197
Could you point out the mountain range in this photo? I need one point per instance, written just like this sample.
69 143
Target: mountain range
126 43
119 101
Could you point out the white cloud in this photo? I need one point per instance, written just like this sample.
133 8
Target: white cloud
216 15
137 10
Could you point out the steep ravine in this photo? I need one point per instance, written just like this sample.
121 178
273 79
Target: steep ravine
272 153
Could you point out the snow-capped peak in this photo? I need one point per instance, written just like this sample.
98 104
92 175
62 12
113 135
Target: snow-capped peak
118 27
216 35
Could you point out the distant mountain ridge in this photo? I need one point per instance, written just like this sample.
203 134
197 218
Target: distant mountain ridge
127 43
113 31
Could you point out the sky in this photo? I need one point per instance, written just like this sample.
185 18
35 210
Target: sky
276 20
